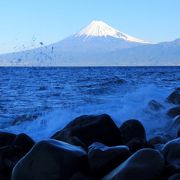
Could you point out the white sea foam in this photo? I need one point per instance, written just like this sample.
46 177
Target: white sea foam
131 105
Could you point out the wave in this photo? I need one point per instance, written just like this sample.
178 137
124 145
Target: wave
105 82
132 104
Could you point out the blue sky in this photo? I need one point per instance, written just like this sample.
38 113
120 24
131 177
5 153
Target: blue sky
25 23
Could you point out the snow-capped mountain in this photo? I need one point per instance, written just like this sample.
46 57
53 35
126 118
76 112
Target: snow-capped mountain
98 44
98 37
101 29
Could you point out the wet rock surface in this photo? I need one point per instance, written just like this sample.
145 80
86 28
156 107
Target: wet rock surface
50 160
171 152
132 129
103 159
145 164
174 97
173 112
85 130
13 148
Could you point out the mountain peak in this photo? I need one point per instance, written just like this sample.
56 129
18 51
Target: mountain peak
101 29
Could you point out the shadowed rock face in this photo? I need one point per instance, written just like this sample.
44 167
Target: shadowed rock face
171 152
85 130
146 164
178 131
102 159
133 135
174 97
174 177
81 176
132 129
12 149
173 112
6 138
51 160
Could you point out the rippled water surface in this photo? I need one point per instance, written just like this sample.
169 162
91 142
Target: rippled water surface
39 101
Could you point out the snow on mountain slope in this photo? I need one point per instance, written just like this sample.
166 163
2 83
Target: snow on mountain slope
98 37
101 29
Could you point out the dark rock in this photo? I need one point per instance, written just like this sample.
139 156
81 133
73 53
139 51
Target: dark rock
132 129
174 97
137 144
102 159
3 177
178 132
173 112
6 138
13 151
24 142
175 177
85 130
145 164
172 127
51 160
155 106
81 176
171 151
9 155
170 170
176 122
158 140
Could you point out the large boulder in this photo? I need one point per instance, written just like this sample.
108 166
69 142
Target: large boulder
172 127
51 160
173 112
24 142
132 129
145 164
174 97
13 147
85 130
102 159
171 151
6 138
137 144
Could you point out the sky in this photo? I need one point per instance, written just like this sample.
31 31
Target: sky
26 23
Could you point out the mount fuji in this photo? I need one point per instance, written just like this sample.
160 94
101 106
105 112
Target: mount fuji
101 29
98 44
98 37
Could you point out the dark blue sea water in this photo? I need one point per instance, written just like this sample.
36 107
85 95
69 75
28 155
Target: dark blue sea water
40 101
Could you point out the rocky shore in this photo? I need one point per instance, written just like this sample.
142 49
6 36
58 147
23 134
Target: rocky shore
92 147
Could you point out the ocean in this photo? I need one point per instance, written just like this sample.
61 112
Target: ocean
41 100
